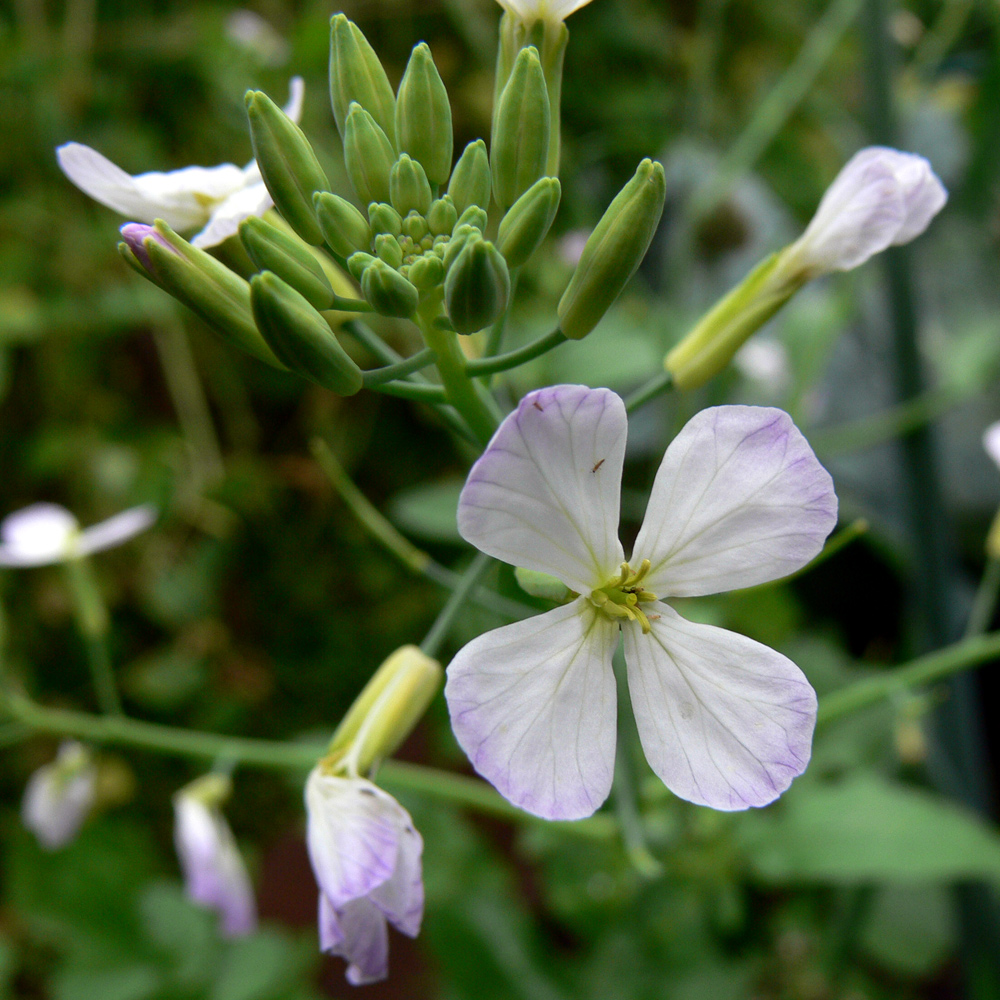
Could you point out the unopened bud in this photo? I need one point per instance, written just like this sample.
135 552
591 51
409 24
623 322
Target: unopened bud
426 273
300 336
356 75
387 248
409 188
385 219
477 287
539 584
287 163
614 251
358 263
423 116
442 216
473 216
273 250
527 223
388 291
456 244
520 146
415 226
344 228
368 156
471 180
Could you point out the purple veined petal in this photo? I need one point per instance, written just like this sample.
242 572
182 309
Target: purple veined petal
923 194
37 535
724 721
739 499
991 442
253 200
546 493
115 530
356 932
533 706
401 897
352 835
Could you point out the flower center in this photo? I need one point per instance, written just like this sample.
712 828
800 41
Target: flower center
621 596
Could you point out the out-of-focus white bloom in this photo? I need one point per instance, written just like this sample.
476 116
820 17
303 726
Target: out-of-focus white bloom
217 199
991 442
882 197
366 854
542 10
764 361
250 31
59 796
214 873
46 533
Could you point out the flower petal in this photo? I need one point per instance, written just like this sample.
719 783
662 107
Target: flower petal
37 535
739 499
401 897
533 706
115 530
358 933
352 835
991 442
59 796
225 221
724 721
545 494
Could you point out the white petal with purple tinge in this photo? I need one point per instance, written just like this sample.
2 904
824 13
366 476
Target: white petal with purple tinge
739 499
533 706
724 721
357 933
37 535
545 494
115 530
401 898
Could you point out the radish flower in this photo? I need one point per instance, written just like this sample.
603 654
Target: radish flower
59 796
554 11
739 499
214 199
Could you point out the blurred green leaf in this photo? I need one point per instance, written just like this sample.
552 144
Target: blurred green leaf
185 933
428 511
135 982
262 967
911 929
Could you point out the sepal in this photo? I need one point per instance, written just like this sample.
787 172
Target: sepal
273 250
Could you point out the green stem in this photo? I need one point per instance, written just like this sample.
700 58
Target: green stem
656 385
371 342
94 624
985 602
400 369
502 362
926 669
422 393
446 618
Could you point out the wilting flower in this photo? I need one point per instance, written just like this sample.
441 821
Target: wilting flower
882 197
60 795
542 10
366 856
46 533
739 499
214 873
217 199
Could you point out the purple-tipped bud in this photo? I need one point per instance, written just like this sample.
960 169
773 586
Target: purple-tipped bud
134 235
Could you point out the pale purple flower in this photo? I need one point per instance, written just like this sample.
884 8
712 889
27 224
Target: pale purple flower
59 796
214 199
882 197
365 853
46 533
214 873
724 721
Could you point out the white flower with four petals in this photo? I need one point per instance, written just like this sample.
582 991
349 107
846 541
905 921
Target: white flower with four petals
740 499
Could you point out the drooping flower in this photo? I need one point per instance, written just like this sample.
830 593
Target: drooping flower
554 11
724 721
216 199
882 197
214 873
59 796
366 854
46 533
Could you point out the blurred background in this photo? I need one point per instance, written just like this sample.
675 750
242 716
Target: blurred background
258 605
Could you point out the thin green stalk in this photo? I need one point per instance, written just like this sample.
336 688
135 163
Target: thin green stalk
985 602
495 337
371 342
422 393
490 365
927 669
94 624
446 617
378 376
653 388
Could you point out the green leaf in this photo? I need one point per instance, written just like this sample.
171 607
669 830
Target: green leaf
428 511
260 967
910 930
136 982
184 932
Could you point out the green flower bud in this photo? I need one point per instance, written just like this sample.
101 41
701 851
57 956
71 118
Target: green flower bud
426 272
614 251
477 287
442 216
521 129
356 75
358 263
287 163
368 156
300 336
471 180
538 584
526 224
207 287
415 226
344 228
423 116
472 216
273 250
388 291
385 219
387 248
456 244
409 189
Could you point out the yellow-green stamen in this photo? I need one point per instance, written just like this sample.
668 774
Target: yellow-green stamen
621 596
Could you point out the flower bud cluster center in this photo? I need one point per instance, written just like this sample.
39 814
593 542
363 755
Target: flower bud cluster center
621 596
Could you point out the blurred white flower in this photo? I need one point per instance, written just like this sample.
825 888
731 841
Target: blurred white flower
991 442
250 31
882 197
46 533
542 10
214 873
764 361
59 796
217 199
